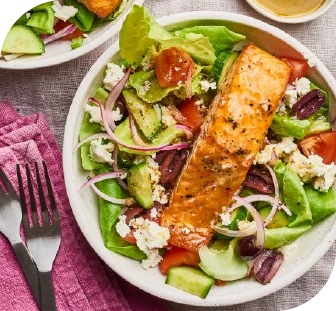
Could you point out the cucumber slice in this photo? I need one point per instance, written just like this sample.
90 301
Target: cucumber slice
320 125
22 40
191 280
139 185
147 116
279 220
222 65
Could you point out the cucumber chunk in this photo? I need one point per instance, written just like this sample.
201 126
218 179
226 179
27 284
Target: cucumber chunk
147 116
280 219
22 40
139 185
191 280
320 125
221 67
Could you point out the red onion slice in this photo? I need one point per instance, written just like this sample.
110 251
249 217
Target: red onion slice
135 134
62 33
91 137
188 82
178 116
107 198
186 130
112 98
102 177
276 199
116 168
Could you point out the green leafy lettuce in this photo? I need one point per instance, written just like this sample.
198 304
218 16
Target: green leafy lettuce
222 263
108 217
322 204
280 169
140 31
42 18
220 37
296 199
117 12
83 18
76 43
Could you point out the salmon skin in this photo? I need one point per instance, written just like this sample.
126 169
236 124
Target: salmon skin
231 136
102 8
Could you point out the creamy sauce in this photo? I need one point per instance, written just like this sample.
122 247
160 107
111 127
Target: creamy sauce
291 7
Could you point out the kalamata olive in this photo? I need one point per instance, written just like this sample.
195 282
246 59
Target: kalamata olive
160 156
120 103
259 179
172 165
246 249
133 212
308 104
267 265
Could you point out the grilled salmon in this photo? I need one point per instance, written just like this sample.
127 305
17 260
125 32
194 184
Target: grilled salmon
102 8
231 136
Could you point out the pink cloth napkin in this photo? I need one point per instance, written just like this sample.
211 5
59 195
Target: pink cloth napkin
82 281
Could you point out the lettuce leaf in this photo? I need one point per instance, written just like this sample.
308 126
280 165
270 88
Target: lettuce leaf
223 264
322 204
280 169
220 37
140 31
119 10
286 126
42 18
108 217
278 237
296 199
83 18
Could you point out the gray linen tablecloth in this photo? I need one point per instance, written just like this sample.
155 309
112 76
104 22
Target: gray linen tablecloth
51 90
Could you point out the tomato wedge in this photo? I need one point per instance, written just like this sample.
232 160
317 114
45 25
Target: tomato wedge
191 112
61 25
323 145
172 65
130 237
177 257
299 68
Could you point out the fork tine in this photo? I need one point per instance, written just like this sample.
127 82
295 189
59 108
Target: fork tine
50 193
44 209
32 197
23 204
9 187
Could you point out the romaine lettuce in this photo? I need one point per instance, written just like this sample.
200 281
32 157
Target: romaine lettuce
84 18
296 199
220 37
280 169
42 18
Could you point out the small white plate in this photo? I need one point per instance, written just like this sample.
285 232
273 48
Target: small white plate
310 247
59 52
292 20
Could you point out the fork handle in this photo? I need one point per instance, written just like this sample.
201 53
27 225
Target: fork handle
47 292
29 269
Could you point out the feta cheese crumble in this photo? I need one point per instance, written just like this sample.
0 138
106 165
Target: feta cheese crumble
116 115
225 217
145 87
159 194
302 86
114 74
246 225
94 112
101 153
167 118
122 228
28 15
206 85
63 12
153 213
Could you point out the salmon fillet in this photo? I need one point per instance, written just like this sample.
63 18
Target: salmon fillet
102 8
232 134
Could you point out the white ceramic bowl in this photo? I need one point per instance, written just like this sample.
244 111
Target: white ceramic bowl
311 247
59 52
292 20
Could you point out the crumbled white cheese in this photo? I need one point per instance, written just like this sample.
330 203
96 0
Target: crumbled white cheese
116 115
153 213
290 98
285 147
302 86
85 35
148 61
101 153
149 238
226 218
199 102
63 12
114 74
206 85
167 118
287 250
159 194
152 166
179 83
312 61
122 228
145 87
246 225
185 230
94 111
312 166
28 15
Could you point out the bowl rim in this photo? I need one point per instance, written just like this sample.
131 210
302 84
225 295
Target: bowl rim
72 54
292 20
70 139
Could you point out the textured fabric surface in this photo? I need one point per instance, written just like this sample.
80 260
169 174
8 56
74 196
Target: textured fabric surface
51 91
81 280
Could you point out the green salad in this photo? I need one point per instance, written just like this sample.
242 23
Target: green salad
57 20
142 128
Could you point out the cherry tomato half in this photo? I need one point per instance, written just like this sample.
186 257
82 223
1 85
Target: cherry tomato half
323 145
191 112
130 237
61 25
172 65
299 68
